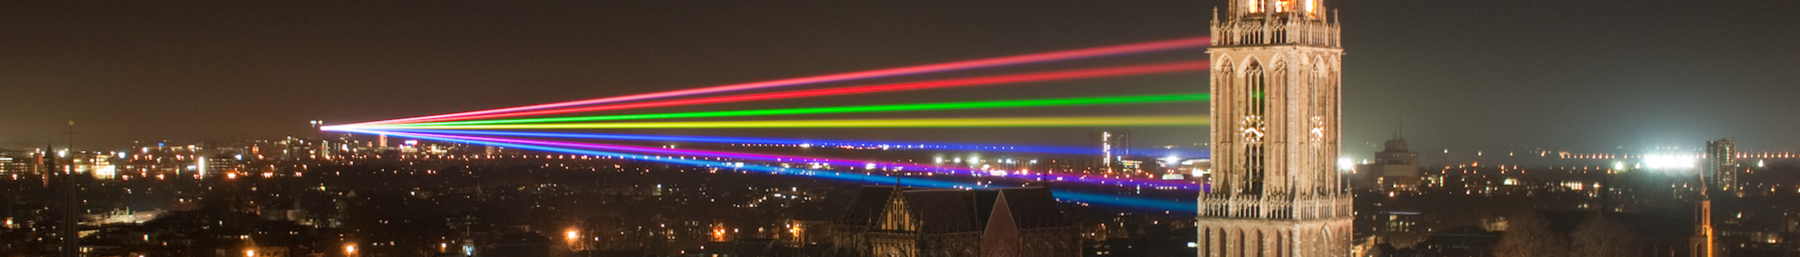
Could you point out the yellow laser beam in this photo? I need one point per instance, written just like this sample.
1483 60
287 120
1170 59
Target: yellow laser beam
1167 120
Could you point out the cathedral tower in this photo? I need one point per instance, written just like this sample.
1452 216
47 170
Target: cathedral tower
1275 189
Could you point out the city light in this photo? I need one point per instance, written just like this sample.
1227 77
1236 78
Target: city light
1668 161
718 233
794 230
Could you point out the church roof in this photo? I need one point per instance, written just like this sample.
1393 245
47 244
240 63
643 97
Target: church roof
1031 207
870 202
943 210
953 210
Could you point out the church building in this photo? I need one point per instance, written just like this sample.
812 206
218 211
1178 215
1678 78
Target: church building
889 221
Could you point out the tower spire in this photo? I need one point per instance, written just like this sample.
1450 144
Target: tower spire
71 241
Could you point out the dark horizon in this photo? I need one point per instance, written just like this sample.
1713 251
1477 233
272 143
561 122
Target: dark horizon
1463 75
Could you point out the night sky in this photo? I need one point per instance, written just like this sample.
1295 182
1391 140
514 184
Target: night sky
1462 74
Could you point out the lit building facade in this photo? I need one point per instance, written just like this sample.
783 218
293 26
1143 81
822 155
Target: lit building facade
15 165
219 165
1276 190
1721 166
1114 146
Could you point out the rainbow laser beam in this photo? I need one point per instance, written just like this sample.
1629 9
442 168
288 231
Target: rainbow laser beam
1111 200
812 159
935 84
1138 99
1110 121
840 162
776 141
981 63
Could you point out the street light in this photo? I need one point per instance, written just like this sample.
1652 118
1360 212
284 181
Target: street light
349 249
574 238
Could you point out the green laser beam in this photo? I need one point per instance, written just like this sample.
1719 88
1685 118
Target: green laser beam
1171 120
843 109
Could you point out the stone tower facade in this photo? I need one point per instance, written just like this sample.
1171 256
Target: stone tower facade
1276 190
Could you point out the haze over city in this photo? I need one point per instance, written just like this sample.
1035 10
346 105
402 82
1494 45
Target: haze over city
1462 74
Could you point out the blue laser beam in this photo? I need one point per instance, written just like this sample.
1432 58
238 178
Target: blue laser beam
777 141
779 158
1109 200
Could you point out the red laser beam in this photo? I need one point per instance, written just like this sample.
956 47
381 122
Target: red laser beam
1010 60
1004 79
769 157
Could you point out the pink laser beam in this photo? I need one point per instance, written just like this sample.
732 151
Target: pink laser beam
977 81
991 62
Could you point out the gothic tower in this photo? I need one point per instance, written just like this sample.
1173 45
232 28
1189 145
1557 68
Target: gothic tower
1275 189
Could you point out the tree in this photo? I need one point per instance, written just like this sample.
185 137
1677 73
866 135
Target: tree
1529 235
1599 236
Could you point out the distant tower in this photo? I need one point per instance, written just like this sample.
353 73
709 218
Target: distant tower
72 209
1114 146
1394 151
1722 166
1720 175
1275 87
1395 167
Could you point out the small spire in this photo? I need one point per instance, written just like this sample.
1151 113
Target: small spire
1215 15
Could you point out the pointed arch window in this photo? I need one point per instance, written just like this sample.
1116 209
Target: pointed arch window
1255 110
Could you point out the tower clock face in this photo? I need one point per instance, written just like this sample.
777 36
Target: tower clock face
1318 130
1253 128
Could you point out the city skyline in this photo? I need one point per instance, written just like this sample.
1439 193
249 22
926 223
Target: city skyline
195 72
